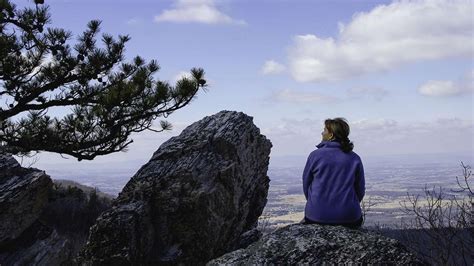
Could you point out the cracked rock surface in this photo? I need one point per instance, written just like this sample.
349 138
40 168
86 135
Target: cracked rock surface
196 199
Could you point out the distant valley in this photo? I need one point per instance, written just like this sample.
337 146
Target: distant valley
388 179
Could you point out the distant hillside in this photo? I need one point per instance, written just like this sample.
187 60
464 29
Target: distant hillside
87 189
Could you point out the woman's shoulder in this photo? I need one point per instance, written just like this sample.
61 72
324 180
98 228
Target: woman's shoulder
314 153
355 156
321 152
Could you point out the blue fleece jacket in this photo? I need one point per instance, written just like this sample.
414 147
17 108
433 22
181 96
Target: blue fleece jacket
333 184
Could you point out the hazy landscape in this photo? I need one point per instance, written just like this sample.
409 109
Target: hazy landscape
385 185
388 180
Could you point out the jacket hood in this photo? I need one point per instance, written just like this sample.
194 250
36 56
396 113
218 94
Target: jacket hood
329 144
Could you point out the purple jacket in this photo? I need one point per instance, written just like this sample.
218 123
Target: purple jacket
333 184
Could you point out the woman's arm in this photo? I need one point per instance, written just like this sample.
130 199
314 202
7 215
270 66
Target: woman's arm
360 182
307 176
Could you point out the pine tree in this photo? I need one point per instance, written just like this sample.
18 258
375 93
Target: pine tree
40 68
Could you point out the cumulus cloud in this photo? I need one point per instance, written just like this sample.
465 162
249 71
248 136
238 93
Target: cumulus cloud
385 37
200 11
440 88
272 67
299 97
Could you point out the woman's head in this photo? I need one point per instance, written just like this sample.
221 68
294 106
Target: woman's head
338 129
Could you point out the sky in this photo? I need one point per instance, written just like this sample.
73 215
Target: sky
400 72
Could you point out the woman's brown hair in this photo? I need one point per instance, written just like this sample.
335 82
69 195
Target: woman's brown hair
340 129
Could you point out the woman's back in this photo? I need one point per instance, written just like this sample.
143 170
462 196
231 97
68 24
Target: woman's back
334 184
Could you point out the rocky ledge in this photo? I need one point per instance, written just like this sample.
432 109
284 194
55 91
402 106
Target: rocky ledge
313 244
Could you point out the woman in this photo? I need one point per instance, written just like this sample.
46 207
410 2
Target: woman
333 179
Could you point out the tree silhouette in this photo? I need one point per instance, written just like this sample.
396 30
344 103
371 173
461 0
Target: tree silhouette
445 223
40 68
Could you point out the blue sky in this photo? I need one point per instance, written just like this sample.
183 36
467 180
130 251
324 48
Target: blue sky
401 72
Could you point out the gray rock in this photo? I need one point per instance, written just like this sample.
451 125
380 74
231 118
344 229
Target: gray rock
249 237
23 194
192 201
54 250
7 163
38 245
42 224
314 244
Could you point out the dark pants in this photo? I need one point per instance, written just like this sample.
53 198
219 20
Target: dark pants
354 225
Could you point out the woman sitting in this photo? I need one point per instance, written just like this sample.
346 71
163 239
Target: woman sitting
333 179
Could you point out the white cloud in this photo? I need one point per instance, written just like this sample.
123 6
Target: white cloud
385 37
299 97
200 11
272 67
440 88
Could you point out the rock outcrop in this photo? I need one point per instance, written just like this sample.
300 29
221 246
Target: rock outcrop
313 244
23 195
196 199
39 245
42 223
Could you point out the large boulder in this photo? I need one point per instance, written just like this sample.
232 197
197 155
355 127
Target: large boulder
23 194
313 244
196 199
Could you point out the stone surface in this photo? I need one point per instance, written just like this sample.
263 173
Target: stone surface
38 245
42 224
23 194
7 163
313 244
193 201
249 237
